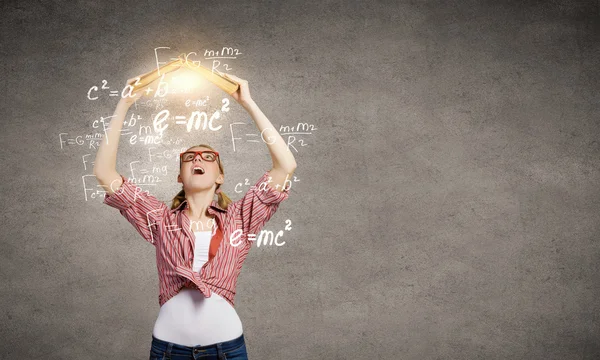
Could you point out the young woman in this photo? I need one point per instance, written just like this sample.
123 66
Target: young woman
200 243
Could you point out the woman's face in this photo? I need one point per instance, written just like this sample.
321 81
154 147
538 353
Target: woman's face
197 180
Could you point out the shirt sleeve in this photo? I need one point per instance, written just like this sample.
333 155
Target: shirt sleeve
259 204
140 208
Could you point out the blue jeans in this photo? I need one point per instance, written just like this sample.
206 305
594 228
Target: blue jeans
231 350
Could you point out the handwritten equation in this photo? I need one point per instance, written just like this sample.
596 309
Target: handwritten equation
265 237
154 134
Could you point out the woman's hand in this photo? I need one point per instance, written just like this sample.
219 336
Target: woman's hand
242 95
128 100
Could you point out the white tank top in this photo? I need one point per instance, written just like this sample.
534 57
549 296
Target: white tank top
189 318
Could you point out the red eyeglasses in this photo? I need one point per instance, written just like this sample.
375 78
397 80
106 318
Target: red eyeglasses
207 155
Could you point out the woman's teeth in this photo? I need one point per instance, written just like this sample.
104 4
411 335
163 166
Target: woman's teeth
198 171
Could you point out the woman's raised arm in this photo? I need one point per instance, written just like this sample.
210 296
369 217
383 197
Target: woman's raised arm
105 165
284 163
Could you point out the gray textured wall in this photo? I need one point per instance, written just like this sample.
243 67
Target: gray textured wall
448 203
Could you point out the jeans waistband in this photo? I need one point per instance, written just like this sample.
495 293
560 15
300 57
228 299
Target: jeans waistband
217 348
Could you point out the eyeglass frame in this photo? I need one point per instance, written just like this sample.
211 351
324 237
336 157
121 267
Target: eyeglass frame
201 156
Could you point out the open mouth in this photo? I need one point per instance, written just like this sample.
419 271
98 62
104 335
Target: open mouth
197 170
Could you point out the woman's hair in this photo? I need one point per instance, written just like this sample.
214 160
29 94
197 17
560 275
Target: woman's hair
224 200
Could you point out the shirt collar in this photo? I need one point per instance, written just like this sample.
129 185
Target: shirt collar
213 205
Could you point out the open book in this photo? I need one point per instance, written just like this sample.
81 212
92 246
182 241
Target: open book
227 85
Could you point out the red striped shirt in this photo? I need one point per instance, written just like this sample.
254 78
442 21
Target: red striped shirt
170 232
